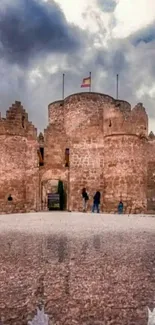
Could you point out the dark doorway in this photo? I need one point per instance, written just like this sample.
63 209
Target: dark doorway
53 201
57 201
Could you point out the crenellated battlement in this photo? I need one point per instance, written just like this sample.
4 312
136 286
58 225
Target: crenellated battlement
120 120
123 106
151 136
16 122
82 111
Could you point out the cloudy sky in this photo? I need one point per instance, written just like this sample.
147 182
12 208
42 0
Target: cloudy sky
42 39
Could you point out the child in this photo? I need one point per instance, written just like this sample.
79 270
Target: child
120 207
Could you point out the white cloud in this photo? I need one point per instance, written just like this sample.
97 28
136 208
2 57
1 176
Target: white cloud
34 75
132 15
146 90
73 10
85 13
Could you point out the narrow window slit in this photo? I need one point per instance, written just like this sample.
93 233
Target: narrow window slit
41 156
67 157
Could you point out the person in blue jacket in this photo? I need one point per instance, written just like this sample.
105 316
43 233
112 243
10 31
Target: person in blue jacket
96 203
120 207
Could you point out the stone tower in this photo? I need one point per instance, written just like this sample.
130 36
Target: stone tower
125 159
107 142
19 174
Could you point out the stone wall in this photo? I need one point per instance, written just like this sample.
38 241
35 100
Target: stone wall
109 152
82 111
151 174
125 163
84 129
107 142
32 177
56 114
54 160
125 174
19 162
86 167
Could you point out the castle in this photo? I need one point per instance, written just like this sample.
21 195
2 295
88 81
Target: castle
92 141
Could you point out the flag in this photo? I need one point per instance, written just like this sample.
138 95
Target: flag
86 82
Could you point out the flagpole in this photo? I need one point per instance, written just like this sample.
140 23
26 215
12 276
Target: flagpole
90 82
63 86
117 86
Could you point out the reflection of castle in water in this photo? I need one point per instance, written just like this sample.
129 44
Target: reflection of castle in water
92 141
42 319
83 269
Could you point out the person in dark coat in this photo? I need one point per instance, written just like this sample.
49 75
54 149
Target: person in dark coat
85 199
120 207
96 202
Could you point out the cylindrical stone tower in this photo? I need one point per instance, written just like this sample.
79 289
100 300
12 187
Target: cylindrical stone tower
56 114
84 129
125 165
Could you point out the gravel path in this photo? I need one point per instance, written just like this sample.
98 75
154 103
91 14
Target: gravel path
86 269
75 223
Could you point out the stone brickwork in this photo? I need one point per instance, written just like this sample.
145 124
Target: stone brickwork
56 114
107 151
55 143
86 168
110 151
125 165
19 172
151 174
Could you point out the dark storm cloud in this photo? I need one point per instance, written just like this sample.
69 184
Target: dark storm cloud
113 60
31 27
145 35
30 31
107 5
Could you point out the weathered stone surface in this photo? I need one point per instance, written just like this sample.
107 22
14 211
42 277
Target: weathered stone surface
110 151
107 142
18 162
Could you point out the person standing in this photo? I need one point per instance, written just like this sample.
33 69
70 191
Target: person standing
85 199
120 207
96 203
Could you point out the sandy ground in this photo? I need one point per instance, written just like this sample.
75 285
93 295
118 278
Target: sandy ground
86 269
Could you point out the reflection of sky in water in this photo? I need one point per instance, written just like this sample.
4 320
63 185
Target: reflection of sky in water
42 319
151 317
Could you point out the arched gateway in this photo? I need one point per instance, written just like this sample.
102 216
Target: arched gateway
53 191
53 195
